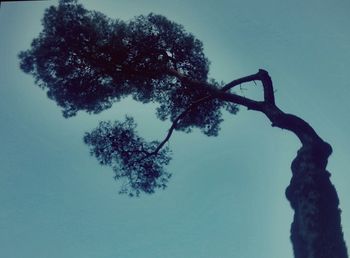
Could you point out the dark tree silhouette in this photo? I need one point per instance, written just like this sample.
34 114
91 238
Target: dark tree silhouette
86 61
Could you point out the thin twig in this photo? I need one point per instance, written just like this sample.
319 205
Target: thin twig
174 124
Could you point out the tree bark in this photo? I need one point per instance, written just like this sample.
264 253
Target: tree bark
316 229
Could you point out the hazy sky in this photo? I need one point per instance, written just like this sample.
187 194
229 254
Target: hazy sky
226 198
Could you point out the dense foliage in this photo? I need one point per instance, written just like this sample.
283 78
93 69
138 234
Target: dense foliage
86 61
117 145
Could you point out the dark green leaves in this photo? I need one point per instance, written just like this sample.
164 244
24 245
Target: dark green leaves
131 157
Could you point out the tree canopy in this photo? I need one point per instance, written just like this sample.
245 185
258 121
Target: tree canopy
86 61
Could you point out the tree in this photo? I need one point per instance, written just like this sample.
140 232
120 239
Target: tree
86 62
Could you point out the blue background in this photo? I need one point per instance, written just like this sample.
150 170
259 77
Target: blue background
226 196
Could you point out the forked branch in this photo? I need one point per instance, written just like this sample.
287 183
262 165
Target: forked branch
223 94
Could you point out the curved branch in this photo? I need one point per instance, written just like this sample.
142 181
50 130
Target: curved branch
316 228
269 95
298 126
213 93
239 81
222 93
174 124
262 75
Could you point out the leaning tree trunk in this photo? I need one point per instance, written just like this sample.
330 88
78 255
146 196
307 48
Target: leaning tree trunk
316 230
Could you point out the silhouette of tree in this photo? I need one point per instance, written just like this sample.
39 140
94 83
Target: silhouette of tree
86 61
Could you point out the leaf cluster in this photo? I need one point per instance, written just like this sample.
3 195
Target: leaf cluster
131 157
86 61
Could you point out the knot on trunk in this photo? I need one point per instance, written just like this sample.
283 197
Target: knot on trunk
316 230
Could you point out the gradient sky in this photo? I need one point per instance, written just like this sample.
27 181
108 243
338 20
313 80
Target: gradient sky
226 196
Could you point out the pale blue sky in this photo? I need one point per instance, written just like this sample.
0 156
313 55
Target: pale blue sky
226 197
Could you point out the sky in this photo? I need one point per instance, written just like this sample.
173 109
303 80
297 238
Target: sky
226 197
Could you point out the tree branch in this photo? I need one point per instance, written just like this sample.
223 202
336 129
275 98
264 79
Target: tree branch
261 75
174 124
222 94
269 95
213 93
239 81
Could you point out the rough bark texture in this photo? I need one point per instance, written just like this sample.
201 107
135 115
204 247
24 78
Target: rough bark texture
316 230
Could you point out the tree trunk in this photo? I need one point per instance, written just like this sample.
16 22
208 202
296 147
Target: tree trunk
316 229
